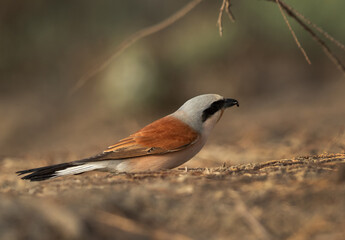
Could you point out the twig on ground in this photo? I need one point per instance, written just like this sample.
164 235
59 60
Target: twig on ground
134 38
292 32
259 230
225 7
119 222
130 226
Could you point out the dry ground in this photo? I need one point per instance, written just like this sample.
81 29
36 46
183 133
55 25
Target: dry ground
232 189
300 198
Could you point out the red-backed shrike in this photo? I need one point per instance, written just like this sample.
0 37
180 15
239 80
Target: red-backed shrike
163 144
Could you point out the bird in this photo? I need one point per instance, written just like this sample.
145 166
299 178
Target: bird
164 144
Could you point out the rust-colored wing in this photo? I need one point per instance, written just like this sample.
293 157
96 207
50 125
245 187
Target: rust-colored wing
164 135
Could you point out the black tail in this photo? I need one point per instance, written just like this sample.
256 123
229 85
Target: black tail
44 173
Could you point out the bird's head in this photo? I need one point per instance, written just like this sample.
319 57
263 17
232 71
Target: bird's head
204 111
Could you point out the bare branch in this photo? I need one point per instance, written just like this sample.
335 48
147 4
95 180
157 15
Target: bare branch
324 46
134 38
219 22
228 11
319 29
301 20
292 32
225 7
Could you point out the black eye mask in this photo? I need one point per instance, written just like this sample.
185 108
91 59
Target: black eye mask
218 105
215 107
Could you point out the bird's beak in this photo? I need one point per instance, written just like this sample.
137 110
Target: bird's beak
229 102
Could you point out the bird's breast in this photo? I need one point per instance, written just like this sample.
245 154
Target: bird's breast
160 161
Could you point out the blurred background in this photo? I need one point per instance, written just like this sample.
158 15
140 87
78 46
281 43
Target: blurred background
287 107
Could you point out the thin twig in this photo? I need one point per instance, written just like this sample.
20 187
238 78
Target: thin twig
228 11
225 7
219 21
319 29
292 32
324 46
134 38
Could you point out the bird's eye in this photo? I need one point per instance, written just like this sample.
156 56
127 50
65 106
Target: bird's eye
215 107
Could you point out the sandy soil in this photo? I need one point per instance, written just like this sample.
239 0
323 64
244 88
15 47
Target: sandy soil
300 198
